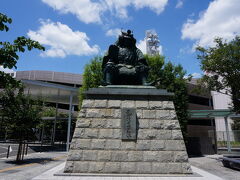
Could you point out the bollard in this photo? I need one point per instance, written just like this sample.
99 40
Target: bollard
8 151
26 149
23 149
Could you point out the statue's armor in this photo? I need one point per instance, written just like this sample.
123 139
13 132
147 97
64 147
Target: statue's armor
125 63
127 56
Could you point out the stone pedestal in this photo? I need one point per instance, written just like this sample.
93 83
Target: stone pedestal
97 145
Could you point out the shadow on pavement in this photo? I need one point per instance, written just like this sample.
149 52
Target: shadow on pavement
30 161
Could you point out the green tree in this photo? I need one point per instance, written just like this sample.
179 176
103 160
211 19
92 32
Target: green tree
20 111
8 52
162 75
222 62
21 115
92 76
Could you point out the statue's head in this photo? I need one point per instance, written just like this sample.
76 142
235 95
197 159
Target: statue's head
126 39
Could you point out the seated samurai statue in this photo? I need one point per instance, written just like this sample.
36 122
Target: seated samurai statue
124 63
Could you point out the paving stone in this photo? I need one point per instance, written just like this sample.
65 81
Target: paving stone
180 156
144 167
150 156
168 105
128 145
90 133
171 124
174 168
95 113
96 167
105 133
98 123
83 123
117 113
139 113
155 105
149 114
69 166
186 168
128 167
165 156
164 134
112 167
135 156
142 104
143 123
109 112
157 144
104 155
80 167
128 104
113 144
117 134
98 144
88 103
159 168
82 144
114 103
175 145
119 156
177 135
100 103
156 124
162 114
147 134
89 155
173 115
82 113
79 132
113 123
143 145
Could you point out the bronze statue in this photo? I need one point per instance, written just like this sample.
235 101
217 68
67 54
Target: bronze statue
124 63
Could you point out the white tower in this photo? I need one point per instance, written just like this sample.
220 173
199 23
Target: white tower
152 42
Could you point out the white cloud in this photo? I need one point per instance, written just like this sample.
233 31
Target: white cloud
113 32
142 46
196 75
6 70
62 40
179 4
221 19
85 10
92 11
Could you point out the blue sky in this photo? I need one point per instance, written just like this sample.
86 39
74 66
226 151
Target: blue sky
74 31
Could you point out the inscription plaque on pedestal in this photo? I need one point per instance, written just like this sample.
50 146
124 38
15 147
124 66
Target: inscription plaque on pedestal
129 123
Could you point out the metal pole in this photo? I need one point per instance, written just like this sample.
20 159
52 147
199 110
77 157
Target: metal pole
23 150
228 136
8 151
55 122
26 149
69 121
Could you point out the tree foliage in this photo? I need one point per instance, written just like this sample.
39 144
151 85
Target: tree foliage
9 51
20 114
92 76
162 75
222 63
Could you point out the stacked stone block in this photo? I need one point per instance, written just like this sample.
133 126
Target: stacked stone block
97 146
